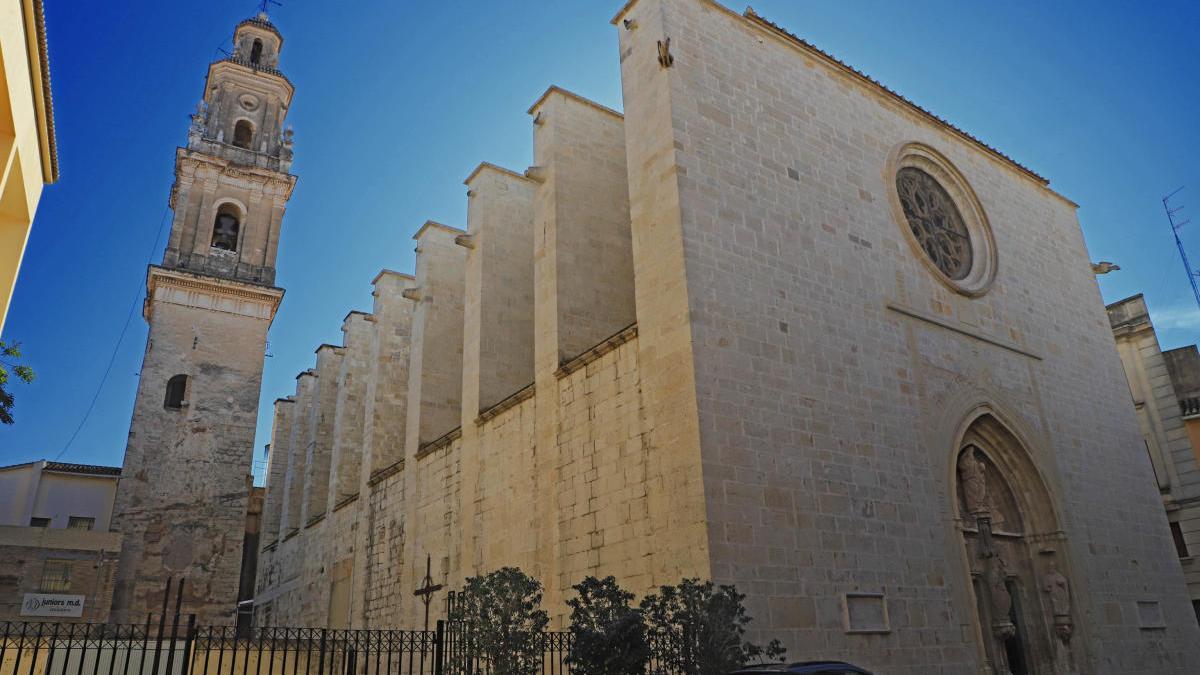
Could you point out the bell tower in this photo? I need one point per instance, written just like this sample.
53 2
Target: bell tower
182 499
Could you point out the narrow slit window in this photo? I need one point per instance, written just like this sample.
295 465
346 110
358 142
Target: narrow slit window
1181 547
256 52
176 390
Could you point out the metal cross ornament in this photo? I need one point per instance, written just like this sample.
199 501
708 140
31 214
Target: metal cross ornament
263 5
428 588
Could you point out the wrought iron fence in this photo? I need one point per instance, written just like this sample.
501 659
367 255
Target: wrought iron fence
173 644
180 647
28 648
542 653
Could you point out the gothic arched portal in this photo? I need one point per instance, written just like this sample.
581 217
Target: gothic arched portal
1010 537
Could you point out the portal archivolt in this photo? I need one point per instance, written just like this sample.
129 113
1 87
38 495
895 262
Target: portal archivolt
1012 541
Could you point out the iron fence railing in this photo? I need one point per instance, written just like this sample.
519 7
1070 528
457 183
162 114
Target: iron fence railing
28 648
171 643
180 647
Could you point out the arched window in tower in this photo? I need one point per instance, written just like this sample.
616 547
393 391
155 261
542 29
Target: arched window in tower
243 133
256 52
225 228
176 391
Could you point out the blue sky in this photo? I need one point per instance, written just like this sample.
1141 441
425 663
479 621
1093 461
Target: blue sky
396 102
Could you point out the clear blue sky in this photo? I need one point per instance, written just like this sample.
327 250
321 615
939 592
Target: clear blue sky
396 102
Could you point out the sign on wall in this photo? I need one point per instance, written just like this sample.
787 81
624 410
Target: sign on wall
50 604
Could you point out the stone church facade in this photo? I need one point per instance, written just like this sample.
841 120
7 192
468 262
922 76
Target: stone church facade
776 326
182 499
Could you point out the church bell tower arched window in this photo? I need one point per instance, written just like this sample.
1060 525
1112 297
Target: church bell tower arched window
176 392
236 163
225 229
243 134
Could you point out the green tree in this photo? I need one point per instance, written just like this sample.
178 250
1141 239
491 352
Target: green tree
8 354
608 636
499 623
699 628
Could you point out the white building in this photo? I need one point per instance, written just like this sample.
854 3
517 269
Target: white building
55 543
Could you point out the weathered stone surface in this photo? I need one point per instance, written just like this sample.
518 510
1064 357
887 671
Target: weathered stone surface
883 459
182 499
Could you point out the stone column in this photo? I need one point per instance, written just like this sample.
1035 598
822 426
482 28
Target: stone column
434 379
290 521
277 464
498 328
320 436
384 420
346 461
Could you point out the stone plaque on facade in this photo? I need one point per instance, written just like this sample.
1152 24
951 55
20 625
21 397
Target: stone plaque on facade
51 604
1150 615
865 613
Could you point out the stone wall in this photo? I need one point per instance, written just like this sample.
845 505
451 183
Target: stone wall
601 494
91 557
835 374
745 369
175 523
384 542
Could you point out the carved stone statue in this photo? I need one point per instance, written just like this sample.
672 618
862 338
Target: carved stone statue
286 149
1001 599
973 475
1055 585
199 121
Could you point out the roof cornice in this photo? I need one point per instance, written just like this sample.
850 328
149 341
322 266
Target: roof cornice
34 25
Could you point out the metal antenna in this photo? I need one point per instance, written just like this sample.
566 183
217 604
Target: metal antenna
1176 225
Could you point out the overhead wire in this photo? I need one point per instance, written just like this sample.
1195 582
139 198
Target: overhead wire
121 338
129 316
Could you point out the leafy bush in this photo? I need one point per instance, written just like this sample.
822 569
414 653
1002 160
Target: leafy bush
499 623
699 628
608 635
23 373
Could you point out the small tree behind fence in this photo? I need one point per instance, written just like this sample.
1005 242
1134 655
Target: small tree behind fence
699 629
495 625
608 636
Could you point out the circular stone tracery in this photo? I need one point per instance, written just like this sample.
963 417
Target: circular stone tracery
942 219
935 222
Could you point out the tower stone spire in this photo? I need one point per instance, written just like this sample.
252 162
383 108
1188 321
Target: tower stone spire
184 490
232 180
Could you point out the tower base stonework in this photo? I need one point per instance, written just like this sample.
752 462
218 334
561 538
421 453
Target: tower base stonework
184 488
